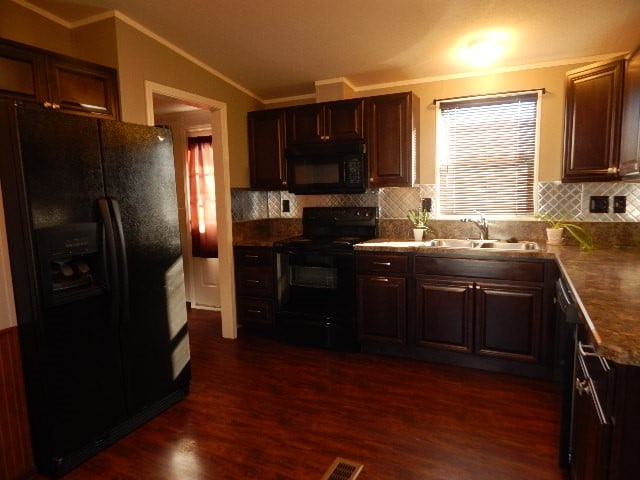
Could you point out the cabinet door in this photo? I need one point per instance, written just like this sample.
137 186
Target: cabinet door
630 135
267 163
509 321
22 74
444 314
305 124
344 120
390 140
79 87
592 122
382 308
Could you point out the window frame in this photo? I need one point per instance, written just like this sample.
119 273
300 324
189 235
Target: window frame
442 144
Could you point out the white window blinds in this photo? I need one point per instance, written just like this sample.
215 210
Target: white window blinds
486 155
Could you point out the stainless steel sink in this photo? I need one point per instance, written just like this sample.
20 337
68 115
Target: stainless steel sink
509 245
483 244
452 242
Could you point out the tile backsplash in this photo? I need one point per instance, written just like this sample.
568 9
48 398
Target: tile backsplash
568 201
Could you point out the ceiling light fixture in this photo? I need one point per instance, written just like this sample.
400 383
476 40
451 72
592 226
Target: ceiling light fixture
484 51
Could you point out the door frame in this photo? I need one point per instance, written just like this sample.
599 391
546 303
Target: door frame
223 193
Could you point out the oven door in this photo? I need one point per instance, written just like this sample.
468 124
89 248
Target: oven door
319 281
317 298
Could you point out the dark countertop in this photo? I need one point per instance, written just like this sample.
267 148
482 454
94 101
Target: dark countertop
606 283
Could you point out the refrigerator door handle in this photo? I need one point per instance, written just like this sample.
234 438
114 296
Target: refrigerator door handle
110 252
122 260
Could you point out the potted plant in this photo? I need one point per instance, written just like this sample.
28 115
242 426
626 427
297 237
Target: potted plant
420 221
556 229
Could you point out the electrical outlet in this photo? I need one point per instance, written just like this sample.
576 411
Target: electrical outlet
619 204
426 204
598 204
285 206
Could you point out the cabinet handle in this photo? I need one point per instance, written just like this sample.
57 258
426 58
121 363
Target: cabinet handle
55 106
582 386
253 257
612 171
386 264
251 310
380 279
253 281
588 350
47 105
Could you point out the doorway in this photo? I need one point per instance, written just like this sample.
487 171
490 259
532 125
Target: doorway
209 282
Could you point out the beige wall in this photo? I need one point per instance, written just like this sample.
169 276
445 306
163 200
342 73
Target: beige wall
140 58
22 25
551 115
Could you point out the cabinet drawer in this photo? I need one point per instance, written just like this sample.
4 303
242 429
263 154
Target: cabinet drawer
472 267
255 311
382 263
253 256
254 280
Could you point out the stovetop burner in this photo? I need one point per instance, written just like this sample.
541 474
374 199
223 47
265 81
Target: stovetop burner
334 227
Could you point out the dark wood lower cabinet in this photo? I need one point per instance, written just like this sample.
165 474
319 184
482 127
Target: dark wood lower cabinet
382 308
481 312
255 287
508 321
444 315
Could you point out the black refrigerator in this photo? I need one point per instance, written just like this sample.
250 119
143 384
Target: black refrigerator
94 244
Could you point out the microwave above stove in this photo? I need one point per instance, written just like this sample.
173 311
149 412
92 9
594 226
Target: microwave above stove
327 167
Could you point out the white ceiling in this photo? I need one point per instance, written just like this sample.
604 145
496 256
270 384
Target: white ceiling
280 48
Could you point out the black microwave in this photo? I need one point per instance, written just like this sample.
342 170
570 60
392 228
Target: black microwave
327 167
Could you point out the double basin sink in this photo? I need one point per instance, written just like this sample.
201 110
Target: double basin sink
484 244
466 244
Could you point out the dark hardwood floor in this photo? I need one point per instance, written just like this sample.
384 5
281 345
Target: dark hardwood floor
259 409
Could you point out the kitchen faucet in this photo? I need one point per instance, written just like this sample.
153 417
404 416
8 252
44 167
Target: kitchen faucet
482 225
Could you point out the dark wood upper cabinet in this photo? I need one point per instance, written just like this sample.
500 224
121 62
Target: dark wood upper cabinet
56 81
22 73
388 124
592 122
267 163
392 139
339 120
630 135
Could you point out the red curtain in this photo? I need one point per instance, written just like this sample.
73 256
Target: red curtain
202 198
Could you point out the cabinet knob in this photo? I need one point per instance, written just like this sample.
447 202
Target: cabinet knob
371 179
47 105
612 171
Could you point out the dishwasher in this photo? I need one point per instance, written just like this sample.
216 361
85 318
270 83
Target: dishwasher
587 380
567 324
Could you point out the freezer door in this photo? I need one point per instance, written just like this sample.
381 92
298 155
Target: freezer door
140 180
